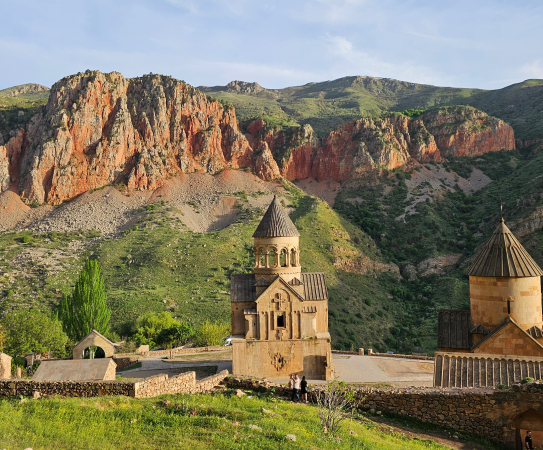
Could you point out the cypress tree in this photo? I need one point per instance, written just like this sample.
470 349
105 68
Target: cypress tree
86 309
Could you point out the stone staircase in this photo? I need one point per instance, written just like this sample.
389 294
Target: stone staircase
462 370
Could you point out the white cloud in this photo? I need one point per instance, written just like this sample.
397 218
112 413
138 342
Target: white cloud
354 61
188 5
532 69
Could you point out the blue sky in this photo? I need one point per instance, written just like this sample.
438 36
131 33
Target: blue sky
477 43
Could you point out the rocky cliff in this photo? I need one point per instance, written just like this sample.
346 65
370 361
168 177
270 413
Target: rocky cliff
100 129
369 144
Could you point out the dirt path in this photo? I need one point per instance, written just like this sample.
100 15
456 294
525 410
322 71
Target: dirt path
441 437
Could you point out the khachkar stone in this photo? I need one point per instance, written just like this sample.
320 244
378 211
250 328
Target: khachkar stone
279 314
505 315
5 366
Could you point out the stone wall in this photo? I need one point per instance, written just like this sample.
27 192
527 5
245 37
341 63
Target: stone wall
150 387
9 388
182 383
501 415
124 362
175 351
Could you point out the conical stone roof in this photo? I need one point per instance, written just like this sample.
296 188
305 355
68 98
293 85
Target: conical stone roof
504 256
276 223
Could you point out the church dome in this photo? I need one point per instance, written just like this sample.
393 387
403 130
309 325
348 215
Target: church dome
276 223
504 256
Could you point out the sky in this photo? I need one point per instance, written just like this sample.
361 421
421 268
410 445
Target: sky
477 43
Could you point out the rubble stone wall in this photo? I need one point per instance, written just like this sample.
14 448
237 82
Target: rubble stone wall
150 387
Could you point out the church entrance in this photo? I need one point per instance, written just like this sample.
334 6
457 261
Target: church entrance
529 420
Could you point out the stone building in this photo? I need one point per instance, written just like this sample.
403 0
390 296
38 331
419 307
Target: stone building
279 314
505 317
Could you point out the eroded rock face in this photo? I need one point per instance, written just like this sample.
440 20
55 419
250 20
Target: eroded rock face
466 131
100 129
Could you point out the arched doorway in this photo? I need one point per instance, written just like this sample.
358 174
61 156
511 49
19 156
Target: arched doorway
528 420
94 352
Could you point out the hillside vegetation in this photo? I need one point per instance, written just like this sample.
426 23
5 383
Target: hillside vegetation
328 105
219 421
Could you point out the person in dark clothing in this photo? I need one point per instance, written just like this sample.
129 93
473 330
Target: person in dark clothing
528 440
303 386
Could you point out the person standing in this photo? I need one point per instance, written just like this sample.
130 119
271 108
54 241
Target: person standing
303 386
528 440
296 388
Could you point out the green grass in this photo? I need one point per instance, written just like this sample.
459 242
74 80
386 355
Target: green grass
222 422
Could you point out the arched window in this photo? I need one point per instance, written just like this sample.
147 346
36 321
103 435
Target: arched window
272 257
261 257
283 257
293 258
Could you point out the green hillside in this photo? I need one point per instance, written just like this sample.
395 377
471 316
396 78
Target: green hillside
327 105
16 111
159 265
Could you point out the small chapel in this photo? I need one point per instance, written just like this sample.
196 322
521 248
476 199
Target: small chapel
505 315
279 313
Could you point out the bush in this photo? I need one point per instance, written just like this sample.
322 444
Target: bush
150 325
26 239
367 301
211 333
29 330
175 336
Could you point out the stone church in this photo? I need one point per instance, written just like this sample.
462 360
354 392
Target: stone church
499 340
279 314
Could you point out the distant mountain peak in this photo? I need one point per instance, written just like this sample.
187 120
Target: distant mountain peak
29 88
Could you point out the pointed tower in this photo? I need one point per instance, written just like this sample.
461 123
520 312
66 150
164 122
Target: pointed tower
277 246
505 282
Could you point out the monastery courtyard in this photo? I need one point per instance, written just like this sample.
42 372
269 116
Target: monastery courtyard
378 370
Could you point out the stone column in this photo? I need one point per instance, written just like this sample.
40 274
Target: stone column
5 366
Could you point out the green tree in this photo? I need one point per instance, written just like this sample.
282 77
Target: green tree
175 336
150 325
29 330
86 309
211 333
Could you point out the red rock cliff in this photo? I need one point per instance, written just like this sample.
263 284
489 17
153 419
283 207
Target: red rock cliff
99 129
102 128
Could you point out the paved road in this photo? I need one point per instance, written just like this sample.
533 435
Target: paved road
348 368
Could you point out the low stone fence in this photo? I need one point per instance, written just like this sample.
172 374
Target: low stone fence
500 415
126 361
360 352
174 351
27 388
394 355
184 383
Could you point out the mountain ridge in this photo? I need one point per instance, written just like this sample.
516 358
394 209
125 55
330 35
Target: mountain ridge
98 129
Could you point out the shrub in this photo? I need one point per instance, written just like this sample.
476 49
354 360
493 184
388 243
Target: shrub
367 301
211 333
150 325
527 380
26 239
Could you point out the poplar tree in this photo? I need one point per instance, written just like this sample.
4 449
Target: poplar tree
86 309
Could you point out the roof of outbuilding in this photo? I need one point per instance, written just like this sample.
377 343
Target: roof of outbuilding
276 222
504 256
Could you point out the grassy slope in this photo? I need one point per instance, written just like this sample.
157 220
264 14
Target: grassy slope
327 105
222 423
160 265
455 224
10 119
